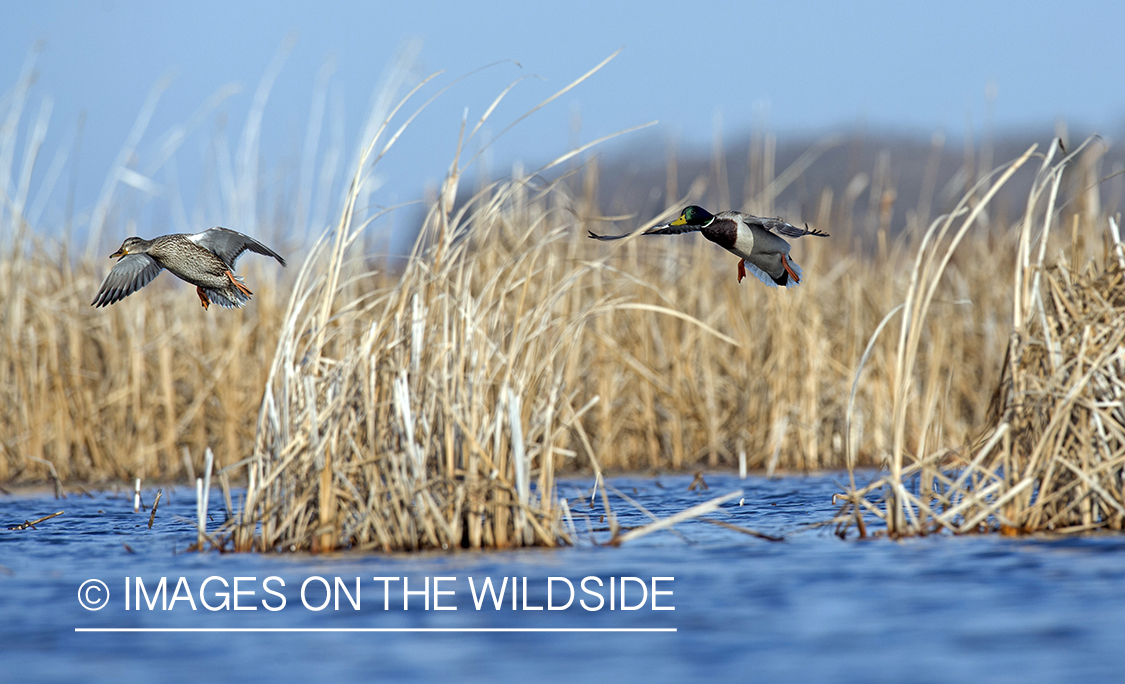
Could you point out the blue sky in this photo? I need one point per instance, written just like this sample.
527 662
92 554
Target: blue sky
809 67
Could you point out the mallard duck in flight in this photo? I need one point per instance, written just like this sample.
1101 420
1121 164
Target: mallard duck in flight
756 240
205 260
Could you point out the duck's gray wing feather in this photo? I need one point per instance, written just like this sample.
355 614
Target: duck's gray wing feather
666 229
230 244
780 227
131 273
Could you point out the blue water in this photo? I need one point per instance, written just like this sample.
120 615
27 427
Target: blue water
811 608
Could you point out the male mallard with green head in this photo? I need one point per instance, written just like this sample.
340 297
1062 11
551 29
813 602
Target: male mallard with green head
205 260
756 240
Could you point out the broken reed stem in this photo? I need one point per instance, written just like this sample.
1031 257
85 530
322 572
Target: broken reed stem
33 523
224 483
519 460
203 498
642 509
59 492
744 530
693 512
155 503
200 514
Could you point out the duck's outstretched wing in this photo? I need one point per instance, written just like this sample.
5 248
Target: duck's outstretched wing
666 229
780 227
131 273
230 244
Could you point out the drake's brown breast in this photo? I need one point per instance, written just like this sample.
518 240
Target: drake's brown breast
723 232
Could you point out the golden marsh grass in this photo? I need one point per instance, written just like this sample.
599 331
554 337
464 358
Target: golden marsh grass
1051 457
433 405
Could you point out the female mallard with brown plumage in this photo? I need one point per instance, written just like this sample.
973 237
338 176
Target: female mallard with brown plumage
756 240
205 260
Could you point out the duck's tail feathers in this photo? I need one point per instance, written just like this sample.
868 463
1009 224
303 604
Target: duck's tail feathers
231 298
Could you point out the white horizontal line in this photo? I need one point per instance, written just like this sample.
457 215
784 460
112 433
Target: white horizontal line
374 629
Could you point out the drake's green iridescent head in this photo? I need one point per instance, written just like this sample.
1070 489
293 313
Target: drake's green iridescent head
694 216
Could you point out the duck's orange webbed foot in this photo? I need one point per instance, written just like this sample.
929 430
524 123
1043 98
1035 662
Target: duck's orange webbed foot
242 288
202 297
741 269
789 269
